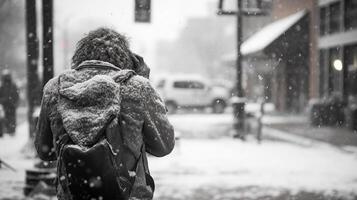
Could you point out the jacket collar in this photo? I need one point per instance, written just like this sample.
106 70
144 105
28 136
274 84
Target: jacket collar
95 64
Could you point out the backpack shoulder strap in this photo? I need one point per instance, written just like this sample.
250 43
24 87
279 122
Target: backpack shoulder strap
144 158
123 75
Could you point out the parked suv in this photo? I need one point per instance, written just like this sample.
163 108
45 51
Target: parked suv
192 91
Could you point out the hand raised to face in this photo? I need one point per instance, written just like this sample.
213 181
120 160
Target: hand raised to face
140 66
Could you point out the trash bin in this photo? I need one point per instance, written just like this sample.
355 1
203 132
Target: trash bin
36 176
238 104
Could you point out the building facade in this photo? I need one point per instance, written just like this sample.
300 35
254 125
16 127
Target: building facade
285 48
337 47
332 49
310 48
284 8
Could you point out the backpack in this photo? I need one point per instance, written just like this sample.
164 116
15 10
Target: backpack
92 166
99 171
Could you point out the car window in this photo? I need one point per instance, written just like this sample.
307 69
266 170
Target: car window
198 85
161 84
188 85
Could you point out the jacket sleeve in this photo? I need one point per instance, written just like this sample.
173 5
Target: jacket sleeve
158 132
43 135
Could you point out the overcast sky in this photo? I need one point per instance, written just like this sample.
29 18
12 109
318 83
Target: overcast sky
74 18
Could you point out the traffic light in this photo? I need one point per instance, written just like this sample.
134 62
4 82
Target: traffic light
142 11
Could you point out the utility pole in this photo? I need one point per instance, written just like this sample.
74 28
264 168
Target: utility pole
239 102
32 59
47 43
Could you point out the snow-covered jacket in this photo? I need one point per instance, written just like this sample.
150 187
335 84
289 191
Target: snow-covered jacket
144 124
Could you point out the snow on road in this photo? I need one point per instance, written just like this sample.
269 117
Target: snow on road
206 159
202 125
226 163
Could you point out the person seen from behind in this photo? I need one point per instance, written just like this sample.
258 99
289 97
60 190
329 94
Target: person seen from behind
99 119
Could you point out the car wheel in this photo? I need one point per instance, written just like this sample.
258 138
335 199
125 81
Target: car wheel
171 107
218 106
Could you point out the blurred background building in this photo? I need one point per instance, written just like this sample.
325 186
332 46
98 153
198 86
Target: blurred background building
337 49
277 55
298 51
307 52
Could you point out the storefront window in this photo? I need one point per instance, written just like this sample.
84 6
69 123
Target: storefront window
335 75
350 14
351 64
323 72
323 21
335 17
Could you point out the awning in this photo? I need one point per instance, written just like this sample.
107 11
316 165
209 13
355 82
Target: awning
263 38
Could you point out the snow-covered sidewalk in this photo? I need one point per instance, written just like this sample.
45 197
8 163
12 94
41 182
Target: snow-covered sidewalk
11 151
10 145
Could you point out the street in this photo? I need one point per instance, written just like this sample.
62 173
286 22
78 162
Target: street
208 164
231 169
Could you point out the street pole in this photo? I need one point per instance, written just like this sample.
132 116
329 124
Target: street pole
43 171
47 43
239 105
32 59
